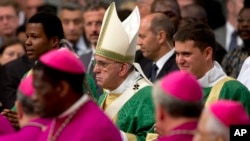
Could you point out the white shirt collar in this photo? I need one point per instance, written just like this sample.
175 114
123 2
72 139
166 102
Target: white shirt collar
229 30
212 76
82 46
75 106
128 82
160 63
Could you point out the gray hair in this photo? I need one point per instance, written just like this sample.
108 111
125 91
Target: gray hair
26 103
176 107
215 126
161 22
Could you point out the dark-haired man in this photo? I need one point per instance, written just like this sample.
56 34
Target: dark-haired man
43 31
195 47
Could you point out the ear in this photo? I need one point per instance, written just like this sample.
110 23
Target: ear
63 88
162 37
19 110
208 52
160 113
124 69
54 42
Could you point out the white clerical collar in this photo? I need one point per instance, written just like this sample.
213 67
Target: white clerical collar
75 106
160 63
212 76
128 82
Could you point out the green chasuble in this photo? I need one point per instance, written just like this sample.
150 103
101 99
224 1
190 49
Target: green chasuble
233 90
136 117
92 86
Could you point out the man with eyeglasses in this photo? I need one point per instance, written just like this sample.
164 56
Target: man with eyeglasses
9 20
127 98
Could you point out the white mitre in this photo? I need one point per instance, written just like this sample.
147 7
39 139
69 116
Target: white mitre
117 40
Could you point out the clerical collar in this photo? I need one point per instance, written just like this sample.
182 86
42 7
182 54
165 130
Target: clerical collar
128 82
75 106
212 76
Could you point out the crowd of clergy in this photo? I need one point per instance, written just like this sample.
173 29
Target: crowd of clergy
144 70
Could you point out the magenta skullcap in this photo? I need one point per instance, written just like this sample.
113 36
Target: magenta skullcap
182 85
229 112
26 87
64 60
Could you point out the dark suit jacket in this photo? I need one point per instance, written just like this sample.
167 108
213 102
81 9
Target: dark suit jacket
140 59
220 35
168 67
220 52
86 58
10 77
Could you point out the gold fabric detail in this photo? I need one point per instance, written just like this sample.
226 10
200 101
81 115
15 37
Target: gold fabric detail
151 137
215 91
109 99
131 137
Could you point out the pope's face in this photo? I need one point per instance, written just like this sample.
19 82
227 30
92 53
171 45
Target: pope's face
107 72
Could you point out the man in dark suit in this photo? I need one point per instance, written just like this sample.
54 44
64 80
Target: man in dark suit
227 35
156 42
92 16
72 20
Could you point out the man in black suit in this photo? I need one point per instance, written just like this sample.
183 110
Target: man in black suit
156 42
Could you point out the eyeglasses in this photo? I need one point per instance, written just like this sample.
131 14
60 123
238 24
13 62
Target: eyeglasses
102 64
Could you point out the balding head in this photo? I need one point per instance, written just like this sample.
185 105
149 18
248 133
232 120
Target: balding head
159 21
155 35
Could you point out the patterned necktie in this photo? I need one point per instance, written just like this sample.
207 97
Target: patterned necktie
233 42
154 72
